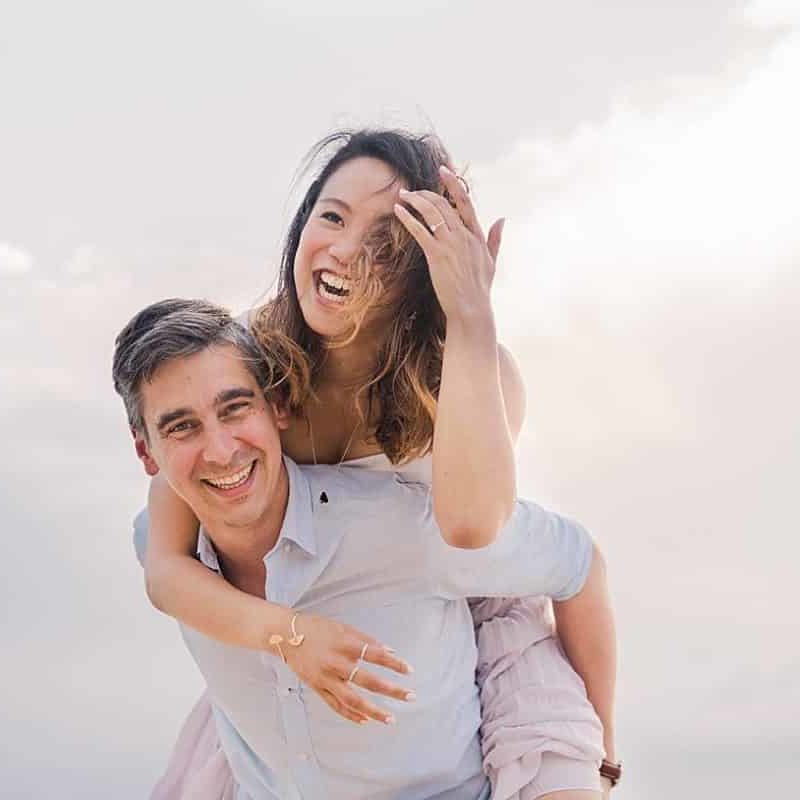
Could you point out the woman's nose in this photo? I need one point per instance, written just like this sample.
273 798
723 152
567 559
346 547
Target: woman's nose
344 250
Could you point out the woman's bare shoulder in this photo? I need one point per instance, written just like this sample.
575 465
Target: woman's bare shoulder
513 390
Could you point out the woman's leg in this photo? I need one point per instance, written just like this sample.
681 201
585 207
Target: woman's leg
563 778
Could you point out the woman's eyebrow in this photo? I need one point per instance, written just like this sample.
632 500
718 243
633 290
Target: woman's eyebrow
335 201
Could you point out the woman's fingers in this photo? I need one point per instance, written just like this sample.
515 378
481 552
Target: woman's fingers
421 233
372 683
457 191
494 238
341 709
433 208
351 699
386 658
355 672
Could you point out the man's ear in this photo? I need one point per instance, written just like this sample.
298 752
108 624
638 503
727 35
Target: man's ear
143 452
282 415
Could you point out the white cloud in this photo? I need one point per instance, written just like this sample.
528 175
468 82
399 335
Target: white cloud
14 260
83 261
772 12
698 191
646 287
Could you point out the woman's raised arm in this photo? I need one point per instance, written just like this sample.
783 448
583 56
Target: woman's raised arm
481 395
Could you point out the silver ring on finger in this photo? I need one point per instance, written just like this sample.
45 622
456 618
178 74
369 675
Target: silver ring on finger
353 673
363 651
436 226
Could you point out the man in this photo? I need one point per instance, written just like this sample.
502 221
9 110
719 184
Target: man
358 546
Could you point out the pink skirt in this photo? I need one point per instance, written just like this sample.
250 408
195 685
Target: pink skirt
539 732
198 769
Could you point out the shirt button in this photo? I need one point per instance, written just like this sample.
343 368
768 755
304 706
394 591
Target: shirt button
286 692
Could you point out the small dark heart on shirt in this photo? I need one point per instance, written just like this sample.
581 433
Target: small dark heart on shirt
323 498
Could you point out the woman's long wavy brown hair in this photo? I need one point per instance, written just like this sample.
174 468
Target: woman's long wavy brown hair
392 282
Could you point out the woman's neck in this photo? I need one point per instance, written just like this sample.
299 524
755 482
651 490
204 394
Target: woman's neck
348 367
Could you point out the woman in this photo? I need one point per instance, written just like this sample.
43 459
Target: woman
385 285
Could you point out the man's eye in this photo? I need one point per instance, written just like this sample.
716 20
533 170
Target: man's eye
181 427
333 217
233 408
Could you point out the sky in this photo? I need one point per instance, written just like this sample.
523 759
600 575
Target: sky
645 157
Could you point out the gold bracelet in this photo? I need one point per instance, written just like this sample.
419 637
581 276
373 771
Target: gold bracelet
297 638
275 641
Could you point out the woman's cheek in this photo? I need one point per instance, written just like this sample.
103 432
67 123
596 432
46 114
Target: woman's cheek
302 268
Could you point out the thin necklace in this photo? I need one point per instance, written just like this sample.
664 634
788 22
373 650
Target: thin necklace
346 449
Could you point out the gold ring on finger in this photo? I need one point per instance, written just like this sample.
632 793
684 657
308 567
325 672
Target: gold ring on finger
363 651
353 673
436 226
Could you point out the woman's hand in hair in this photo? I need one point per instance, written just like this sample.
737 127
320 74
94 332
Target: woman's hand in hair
461 259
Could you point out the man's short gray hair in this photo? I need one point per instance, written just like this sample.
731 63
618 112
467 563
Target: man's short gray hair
171 329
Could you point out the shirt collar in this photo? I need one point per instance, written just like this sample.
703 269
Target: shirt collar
206 552
298 523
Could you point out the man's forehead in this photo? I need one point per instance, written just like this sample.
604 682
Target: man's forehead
197 381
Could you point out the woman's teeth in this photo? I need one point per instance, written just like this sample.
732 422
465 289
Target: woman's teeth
232 481
334 287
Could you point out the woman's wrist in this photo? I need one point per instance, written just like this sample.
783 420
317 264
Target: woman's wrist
472 332
472 318
608 745
276 619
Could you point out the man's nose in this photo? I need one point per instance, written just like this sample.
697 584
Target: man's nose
220 445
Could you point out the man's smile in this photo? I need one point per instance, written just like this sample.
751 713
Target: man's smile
228 485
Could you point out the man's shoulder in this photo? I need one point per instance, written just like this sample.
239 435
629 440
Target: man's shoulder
358 483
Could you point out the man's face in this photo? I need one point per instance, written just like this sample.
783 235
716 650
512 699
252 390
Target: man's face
215 437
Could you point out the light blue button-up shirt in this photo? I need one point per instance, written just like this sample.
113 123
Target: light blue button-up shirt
362 547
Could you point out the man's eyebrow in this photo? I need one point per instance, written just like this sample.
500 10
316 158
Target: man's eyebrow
170 416
336 201
235 393
224 396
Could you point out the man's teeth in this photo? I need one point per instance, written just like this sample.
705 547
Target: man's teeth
231 481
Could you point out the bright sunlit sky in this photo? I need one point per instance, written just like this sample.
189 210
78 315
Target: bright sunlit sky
645 155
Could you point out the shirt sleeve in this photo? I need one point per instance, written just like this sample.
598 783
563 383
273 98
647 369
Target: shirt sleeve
538 552
141 529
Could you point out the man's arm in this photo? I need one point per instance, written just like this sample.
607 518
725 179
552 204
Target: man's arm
538 552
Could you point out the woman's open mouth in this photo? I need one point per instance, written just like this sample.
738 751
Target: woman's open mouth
332 287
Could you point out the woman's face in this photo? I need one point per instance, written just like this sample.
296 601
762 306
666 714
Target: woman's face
361 191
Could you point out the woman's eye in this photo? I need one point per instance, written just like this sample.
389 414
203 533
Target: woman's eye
333 217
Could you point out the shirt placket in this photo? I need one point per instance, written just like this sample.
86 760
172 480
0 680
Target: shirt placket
304 777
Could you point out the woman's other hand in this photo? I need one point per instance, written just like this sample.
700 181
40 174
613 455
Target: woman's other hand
460 258
326 660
